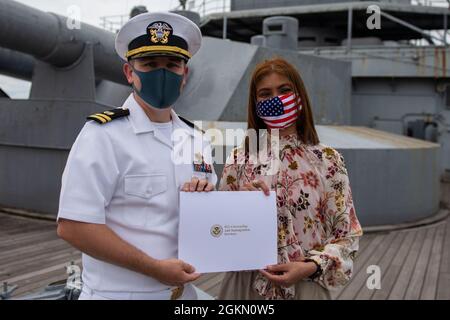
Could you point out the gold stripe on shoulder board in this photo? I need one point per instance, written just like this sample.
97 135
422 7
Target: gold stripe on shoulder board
104 116
98 118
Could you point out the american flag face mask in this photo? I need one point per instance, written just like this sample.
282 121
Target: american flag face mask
279 112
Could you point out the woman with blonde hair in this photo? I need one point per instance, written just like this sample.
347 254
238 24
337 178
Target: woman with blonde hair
318 230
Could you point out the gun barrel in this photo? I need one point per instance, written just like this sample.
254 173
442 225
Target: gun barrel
16 64
49 37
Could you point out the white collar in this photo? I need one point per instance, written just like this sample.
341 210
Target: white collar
142 124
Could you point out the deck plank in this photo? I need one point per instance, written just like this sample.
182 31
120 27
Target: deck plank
415 263
430 283
416 283
48 260
382 258
390 275
23 260
364 241
443 290
401 284
18 242
372 255
31 250
52 268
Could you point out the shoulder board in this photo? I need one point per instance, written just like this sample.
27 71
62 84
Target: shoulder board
190 124
108 116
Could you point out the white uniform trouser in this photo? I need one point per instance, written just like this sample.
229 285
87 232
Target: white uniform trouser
189 293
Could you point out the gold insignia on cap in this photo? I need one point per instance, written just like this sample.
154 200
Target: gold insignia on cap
159 32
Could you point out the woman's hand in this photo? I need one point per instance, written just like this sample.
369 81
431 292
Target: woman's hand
256 185
290 273
197 185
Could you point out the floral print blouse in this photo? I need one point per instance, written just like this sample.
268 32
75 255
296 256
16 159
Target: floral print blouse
316 215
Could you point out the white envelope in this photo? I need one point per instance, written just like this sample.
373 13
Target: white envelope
228 230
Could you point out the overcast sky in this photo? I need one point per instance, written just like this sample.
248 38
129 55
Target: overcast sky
92 10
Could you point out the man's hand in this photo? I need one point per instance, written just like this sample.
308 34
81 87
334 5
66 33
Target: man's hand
255 186
100 242
197 185
174 272
290 273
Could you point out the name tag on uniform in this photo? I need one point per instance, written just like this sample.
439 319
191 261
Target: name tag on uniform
201 168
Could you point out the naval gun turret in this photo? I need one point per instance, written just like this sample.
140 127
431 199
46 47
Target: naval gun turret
58 41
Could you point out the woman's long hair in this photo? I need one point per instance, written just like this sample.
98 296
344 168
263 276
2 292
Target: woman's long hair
305 122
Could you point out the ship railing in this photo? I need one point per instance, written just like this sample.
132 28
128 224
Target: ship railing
204 8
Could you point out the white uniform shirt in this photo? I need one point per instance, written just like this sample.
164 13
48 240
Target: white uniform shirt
122 174
166 128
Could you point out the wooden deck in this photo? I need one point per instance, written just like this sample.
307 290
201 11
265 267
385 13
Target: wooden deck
415 263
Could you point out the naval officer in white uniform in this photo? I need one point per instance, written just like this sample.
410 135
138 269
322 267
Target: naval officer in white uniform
119 201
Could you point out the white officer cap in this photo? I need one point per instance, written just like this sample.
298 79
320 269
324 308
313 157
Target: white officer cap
158 33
